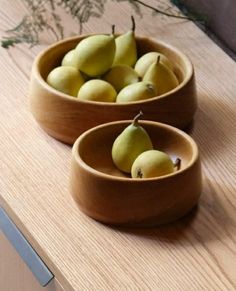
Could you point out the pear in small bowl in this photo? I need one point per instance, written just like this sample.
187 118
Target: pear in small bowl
111 196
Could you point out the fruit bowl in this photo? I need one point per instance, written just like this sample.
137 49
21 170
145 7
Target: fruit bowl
65 117
107 195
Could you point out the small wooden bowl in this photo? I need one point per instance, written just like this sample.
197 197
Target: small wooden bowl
65 117
107 195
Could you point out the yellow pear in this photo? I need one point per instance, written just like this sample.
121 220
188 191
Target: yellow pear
144 62
126 49
97 90
152 163
132 141
70 59
136 92
95 54
161 76
120 76
65 79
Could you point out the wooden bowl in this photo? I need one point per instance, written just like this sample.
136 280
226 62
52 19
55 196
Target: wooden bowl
107 195
65 117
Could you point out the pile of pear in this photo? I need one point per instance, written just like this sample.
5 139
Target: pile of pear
133 153
106 68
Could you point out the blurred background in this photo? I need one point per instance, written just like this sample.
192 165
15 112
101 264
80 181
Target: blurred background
220 19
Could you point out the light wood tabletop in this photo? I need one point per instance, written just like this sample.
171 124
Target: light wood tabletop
197 252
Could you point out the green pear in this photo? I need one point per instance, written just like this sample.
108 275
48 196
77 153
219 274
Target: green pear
70 59
65 79
97 90
126 49
144 62
161 76
95 54
152 163
132 141
120 76
136 92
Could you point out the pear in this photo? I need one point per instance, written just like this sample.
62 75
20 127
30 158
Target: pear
70 59
97 90
65 79
126 49
137 91
132 141
120 76
161 76
152 163
95 54
144 62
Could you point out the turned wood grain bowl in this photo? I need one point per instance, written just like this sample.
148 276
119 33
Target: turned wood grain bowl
65 117
107 195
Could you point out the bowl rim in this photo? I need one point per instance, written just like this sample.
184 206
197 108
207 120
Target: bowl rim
87 168
43 83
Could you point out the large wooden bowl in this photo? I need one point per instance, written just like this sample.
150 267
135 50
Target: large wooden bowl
65 117
107 195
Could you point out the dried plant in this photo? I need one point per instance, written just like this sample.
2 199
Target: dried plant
44 16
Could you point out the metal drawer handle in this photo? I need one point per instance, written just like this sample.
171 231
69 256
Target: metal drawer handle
24 249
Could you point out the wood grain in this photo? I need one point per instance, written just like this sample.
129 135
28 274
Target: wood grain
197 252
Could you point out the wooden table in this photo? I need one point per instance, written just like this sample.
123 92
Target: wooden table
195 253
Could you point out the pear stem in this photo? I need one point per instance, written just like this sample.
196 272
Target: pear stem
113 29
158 58
137 117
133 23
150 87
177 163
139 174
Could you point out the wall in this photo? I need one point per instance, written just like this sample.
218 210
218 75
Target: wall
221 16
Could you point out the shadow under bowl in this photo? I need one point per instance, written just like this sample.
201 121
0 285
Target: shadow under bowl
65 117
107 195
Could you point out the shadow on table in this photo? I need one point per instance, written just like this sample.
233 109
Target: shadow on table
208 221
212 126
170 232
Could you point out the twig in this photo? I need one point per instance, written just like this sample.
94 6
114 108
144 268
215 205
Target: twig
163 12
